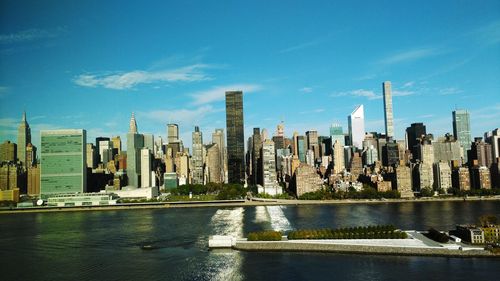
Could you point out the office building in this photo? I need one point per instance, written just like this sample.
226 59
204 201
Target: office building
117 144
92 159
301 148
23 138
390 154
30 155
98 141
306 180
269 177
11 176
146 179
256 157
135 142
34 181
461 130
461 178
63 166
8 152
413 135
235 137
213 164
447 149
356 124
493 138
312 142
388 115
219 139
480 177
338 158
480 154
197 159
336 134
104 145
370 155
404 181
172 133
442 176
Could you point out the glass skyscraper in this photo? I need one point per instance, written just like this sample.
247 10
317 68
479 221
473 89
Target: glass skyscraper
235 137
461 130
63 161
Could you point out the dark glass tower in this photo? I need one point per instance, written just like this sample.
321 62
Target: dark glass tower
415 131
235 137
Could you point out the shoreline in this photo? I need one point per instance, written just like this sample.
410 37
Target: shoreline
236 203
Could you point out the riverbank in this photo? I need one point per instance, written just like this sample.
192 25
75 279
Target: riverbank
415 245
236 203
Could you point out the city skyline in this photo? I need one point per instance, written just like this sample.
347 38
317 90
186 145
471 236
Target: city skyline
309 78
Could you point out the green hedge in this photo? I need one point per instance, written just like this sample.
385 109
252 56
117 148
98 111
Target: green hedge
367 232
366 193
267 235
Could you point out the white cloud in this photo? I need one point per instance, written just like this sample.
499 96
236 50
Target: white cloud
410 55
358 93
408 84
300 46
127 80
30 35
181 116
450 91
317 110
306 90
218 93
398 93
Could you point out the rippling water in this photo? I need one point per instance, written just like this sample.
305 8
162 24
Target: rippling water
106 245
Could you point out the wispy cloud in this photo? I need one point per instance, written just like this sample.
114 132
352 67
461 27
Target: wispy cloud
30 35
411 55
306 90
127 80
402 93
300 46
408 84
488 34
371 95
181 116
317 110
450 91
218 93
3 91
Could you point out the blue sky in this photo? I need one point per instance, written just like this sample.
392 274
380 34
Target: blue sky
89 64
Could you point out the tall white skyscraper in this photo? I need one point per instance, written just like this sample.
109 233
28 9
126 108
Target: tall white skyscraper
357 126
388 116
146 167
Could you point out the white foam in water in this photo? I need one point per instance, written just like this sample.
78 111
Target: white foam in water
227 264
261 214
278 220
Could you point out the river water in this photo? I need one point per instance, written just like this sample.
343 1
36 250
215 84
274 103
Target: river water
106 245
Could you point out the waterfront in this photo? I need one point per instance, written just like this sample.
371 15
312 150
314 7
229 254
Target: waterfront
106 245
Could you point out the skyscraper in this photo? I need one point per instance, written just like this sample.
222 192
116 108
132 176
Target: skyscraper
269 177
213 164
146 179
388 116
219 139
312 142
461 130
63 161
338 157
135 142
23 138
172 133
414 132
235 137
357 126
117 144
197 156
337 134
256 159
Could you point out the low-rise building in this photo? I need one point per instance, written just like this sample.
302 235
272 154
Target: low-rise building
469 233
131 192
81 199
10 195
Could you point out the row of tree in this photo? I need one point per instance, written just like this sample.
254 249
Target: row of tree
366 193
368 232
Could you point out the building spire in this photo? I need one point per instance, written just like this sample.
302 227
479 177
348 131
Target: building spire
24 116
133 125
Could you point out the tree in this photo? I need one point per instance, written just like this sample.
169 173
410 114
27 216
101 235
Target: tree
488 219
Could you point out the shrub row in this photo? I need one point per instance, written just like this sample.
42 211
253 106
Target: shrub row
267 235
369 232
366 193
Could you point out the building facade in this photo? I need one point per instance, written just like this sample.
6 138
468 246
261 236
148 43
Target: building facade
63 166
461 130
356 122
388 114
235 137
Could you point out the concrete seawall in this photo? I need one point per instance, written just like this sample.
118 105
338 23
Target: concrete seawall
357 249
